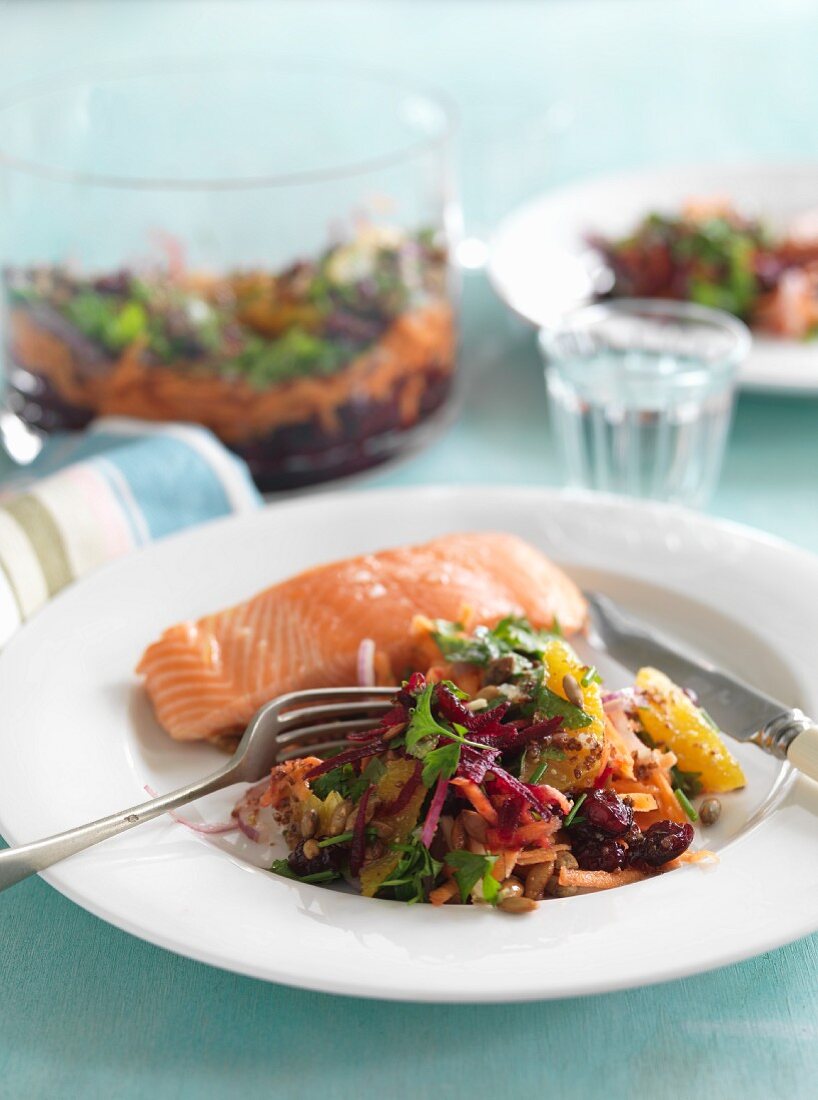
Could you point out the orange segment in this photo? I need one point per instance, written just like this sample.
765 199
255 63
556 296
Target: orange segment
674 722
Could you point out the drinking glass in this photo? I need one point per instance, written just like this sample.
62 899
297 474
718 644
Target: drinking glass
641 396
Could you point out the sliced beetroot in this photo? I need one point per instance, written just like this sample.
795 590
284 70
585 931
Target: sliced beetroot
393 717
474 763
508 784
404 795
349 756
356 854
508 817
450 707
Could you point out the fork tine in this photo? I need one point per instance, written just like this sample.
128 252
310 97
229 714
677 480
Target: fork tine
325 695
307 716
305 734
292 751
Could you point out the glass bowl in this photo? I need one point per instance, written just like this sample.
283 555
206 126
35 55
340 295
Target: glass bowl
259 247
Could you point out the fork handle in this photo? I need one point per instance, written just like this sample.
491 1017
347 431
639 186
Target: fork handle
27 859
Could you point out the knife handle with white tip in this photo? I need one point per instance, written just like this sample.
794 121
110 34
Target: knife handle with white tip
793 737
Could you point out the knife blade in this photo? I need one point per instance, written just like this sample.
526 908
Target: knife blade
736 707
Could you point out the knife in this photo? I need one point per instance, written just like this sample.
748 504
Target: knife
737 708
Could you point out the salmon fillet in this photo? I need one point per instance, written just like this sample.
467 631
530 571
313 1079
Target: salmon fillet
207 678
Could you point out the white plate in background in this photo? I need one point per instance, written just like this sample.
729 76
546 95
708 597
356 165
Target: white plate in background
540 265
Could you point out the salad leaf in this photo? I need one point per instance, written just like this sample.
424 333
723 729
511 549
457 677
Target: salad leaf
439 762
282 867
346 782
470 869
512 636
548 704
689 783
423 728
416 871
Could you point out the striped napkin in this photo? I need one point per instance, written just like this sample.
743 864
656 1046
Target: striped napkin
89 498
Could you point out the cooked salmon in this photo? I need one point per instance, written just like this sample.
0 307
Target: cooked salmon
207 678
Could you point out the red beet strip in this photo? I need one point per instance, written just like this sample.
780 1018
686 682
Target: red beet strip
404 795
356 853
369 748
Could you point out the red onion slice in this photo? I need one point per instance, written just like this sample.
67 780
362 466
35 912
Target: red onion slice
366 663
195 826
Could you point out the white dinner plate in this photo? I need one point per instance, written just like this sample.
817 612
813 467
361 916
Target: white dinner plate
540 264
78 740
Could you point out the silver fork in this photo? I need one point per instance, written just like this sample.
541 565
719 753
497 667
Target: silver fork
286 727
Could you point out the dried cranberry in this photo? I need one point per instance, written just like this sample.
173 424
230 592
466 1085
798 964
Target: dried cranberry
605 811
662 842
601 855
326 860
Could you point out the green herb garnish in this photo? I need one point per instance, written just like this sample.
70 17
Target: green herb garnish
547 704
346 782
470 869
416 871
591 677
573 812
686 804
439 762
512 637
282 867
342 838
689 782
544 755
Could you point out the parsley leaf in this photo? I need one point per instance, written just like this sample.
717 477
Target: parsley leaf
423 728
476 649
371 774
469 870
346 782
439 762
511 637
339 779
416 871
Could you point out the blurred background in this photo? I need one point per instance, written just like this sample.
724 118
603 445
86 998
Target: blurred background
545 93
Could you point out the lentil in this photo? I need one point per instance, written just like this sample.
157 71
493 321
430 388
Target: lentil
710 811
517 905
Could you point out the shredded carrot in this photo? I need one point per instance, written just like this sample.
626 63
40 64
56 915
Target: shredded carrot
536 855
642 803
667 805
477 799
504 864
441 894
538 832
599 880
704 856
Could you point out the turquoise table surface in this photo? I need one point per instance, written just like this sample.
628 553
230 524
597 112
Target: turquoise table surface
548 91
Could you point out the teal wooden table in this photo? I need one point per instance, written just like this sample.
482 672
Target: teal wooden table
88 1011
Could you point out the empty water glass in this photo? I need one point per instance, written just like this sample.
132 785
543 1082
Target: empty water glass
641 395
